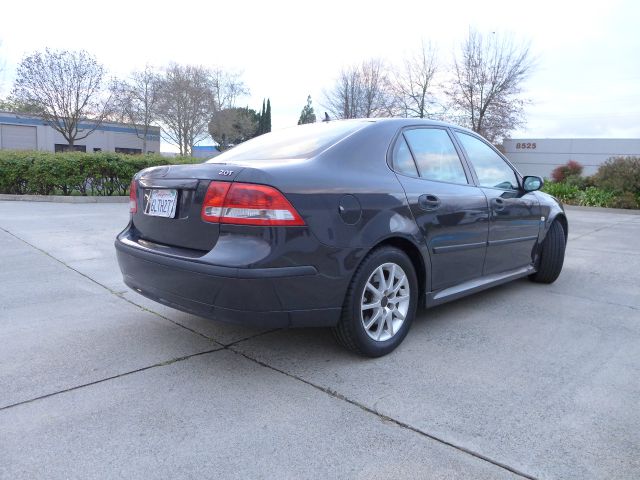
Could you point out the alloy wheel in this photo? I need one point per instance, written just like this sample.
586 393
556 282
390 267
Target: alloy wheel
385 302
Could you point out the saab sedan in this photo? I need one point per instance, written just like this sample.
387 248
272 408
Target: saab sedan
351 225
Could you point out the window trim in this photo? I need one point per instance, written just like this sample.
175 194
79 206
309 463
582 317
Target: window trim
62 149
500 155
129 150
471 181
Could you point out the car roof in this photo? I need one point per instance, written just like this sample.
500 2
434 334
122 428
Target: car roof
407 122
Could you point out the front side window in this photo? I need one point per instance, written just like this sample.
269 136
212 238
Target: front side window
435 155
491 169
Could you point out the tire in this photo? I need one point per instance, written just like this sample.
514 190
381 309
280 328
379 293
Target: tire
383 310
551 256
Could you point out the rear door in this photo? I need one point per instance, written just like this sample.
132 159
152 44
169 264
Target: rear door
515 214
450 211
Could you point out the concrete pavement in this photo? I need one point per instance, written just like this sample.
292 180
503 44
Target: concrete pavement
522 381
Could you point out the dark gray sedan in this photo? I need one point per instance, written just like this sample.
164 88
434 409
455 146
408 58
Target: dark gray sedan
348 224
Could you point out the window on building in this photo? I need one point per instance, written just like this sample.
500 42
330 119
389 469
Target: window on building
129 151
61 147
96 150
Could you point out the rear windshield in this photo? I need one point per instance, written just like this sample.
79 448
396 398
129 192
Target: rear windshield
302 141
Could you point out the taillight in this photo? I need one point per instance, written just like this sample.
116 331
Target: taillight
248 204
133 197
214 200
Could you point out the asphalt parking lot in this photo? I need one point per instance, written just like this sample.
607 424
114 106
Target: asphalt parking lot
522 381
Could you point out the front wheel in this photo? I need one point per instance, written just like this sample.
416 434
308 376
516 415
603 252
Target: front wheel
551 256
380 304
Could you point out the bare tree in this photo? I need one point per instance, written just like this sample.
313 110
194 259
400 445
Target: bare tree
361 91
66 89
227 87
187 98
414 84
136 101
487 83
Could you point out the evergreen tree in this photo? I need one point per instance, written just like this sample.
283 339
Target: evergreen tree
261 120
307 115
267 123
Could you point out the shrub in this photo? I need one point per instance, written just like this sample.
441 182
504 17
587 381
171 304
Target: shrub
580 182
562 191
570 169
626 200
69 173
621 174
595 197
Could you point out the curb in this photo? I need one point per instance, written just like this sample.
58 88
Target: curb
63 198
624 211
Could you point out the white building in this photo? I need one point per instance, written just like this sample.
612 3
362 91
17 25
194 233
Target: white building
539 156
30 132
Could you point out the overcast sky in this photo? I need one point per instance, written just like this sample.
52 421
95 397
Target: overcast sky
586 83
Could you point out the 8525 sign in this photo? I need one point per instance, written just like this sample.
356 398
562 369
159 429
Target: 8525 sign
526 146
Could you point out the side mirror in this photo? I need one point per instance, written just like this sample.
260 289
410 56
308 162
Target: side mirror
532 183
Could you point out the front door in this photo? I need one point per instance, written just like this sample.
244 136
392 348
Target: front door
450 211
515 215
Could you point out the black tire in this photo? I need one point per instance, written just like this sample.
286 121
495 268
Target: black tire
350 331
551 256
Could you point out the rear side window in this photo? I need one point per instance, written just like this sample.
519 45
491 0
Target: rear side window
402 159
435 155
491 169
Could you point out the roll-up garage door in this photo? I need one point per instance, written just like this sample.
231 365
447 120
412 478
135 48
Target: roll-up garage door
18 137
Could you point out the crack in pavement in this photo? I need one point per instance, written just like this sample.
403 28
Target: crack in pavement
598 230
582 297
112 377
332 393
335 394
164 363
118 294
600 250
223 347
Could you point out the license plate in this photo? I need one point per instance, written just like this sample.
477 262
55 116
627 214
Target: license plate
162 203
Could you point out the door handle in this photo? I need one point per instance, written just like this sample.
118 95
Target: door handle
428 202
497 204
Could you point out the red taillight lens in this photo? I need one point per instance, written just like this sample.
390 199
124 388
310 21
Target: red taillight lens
248 204
214 201
133 197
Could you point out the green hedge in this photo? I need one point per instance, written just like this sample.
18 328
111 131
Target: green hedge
74 173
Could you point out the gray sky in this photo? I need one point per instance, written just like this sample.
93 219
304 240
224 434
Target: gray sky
586 83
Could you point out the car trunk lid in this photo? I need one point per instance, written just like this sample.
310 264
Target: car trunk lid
185 186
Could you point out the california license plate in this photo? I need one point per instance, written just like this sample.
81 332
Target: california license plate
162 203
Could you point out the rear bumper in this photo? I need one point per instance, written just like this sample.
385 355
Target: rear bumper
264 297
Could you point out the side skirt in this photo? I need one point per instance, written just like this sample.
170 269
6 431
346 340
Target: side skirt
476 285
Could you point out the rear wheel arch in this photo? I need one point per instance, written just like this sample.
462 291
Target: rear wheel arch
353 329
414 254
